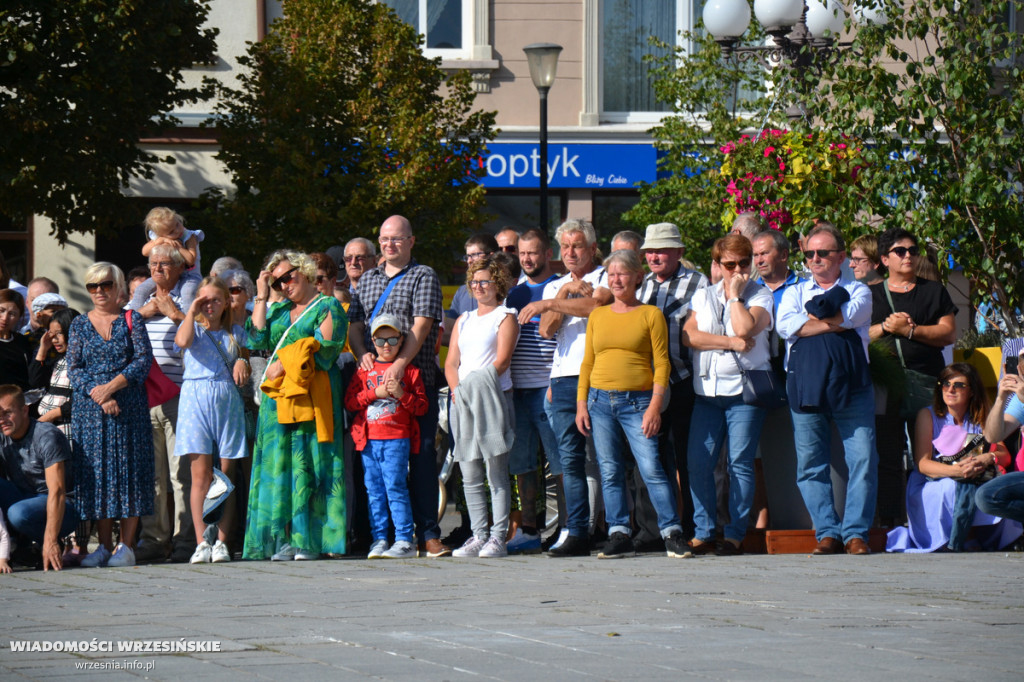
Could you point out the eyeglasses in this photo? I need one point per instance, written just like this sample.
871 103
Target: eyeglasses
470 257
283 279
389 341
954 385
902 251
162 265
236 290
361 259
511 248
858 261
393 240
320 279
480 283
820 253
105 285
731 265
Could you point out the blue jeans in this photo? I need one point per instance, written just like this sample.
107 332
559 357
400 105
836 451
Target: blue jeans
856 425
614 414
572 449
26 512
715 417
1003 496
423 473
532 426
385 471
963 514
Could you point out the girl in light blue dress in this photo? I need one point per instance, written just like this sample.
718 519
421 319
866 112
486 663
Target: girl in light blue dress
210 418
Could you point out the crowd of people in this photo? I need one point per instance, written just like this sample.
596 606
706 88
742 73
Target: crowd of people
293 415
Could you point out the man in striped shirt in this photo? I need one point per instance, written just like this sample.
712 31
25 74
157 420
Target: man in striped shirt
162 313
531 374
670 286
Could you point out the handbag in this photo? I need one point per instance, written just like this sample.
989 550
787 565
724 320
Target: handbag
248 418
919 388
159 388
761 387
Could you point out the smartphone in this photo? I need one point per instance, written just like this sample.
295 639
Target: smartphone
1012 364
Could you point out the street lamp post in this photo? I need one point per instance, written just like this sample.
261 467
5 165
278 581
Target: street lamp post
543 60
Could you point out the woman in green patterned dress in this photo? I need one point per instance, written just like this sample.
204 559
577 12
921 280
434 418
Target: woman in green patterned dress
297 494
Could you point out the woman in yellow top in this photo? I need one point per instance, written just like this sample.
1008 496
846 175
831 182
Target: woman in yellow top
622 387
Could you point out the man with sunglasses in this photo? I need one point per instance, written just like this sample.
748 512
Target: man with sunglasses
360 257
853 414
165 532
412 292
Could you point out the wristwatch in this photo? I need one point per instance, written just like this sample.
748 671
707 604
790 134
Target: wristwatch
736 298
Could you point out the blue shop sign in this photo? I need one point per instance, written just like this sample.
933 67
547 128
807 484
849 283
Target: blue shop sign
570 166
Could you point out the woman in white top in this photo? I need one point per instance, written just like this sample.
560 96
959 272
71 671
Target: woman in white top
728 324
479 356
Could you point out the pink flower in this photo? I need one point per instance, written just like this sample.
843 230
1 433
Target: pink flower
768 151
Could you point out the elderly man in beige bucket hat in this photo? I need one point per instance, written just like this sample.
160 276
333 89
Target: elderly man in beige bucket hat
669 287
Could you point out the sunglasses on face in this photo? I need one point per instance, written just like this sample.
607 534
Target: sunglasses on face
820 253
361 259
902 251
236 290
283 279
955 385
389 341
510 248
731 265
105 285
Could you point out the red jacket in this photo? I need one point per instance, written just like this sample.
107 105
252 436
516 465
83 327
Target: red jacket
386 418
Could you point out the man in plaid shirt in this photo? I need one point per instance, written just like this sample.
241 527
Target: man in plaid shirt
670 286
415 299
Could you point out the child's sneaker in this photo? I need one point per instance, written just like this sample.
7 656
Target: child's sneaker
401 550
377 549
202 554
494 548
220 553
470 548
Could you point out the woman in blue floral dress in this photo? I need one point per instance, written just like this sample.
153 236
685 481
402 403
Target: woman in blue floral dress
297 493
113 439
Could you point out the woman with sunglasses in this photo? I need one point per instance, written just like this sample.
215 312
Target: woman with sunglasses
108 362
297 492
936 498
914 319
728 327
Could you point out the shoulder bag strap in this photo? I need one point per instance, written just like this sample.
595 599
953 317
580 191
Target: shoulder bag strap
384 296
899 346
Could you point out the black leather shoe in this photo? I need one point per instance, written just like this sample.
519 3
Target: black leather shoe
573 546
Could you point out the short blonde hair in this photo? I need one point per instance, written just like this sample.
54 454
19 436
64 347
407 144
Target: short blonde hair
298 260
160 219
97 272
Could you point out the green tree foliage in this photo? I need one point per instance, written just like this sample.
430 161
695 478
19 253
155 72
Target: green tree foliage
339 122
81 81
938 92
932 99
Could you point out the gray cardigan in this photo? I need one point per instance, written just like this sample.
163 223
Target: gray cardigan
482 420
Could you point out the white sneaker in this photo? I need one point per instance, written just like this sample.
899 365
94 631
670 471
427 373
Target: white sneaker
220 554
493 549
123 556
401 550
377 549
98 558
202 553
305 555
470 548
284 553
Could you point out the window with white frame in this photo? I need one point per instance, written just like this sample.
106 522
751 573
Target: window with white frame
447 25
627 93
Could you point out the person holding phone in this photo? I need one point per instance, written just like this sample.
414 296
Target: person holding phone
1004 495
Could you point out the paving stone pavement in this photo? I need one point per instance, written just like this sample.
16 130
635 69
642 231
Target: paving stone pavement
936 617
